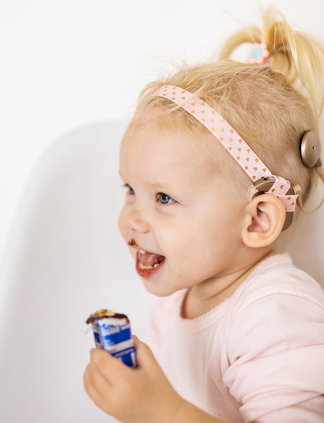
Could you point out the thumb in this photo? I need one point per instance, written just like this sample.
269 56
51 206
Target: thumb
145 357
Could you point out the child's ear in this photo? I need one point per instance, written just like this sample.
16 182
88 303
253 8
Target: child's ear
265 217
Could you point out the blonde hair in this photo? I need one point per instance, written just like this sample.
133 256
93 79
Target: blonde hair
270 106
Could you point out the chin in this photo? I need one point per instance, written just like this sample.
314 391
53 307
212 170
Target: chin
156 289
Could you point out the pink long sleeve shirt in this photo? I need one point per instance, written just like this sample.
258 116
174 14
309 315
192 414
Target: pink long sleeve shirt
256 357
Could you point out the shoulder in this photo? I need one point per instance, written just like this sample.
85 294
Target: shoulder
275 338
278 307
277 277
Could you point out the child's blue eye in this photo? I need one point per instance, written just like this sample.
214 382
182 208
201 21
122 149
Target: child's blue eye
165 199
130 190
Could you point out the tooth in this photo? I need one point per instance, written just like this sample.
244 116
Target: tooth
142 266
142 251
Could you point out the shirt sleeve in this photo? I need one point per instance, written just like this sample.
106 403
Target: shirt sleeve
276 354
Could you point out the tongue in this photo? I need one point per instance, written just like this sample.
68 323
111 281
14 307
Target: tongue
150 259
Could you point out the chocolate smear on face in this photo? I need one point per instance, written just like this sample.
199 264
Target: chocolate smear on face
132 243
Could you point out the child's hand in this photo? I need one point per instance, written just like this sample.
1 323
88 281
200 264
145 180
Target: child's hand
132 395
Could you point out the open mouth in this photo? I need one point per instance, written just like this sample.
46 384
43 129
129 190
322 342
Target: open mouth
148 263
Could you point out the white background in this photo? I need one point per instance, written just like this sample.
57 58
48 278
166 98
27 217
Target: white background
67 63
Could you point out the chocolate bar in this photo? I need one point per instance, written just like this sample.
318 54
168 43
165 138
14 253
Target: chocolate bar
112 332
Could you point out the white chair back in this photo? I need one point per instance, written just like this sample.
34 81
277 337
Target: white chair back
65 259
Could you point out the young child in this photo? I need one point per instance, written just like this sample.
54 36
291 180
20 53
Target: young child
215 162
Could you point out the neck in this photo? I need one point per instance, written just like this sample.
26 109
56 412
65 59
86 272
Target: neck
204 297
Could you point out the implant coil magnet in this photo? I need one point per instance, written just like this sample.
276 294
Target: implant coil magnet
112 332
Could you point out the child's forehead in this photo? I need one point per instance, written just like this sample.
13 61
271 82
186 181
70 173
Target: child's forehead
166 143
158 125
156 129
160 146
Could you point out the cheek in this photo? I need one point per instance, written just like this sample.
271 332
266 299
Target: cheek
121 226
124 232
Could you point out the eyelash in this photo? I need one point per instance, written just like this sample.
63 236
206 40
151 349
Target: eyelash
159 195
130 189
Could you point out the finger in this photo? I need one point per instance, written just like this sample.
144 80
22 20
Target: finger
145 357
96 387
136 341
110 367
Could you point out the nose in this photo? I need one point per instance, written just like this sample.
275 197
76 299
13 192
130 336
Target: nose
133 220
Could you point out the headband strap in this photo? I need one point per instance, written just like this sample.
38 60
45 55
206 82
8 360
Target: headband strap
230 140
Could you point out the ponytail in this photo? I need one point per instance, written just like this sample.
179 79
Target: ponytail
299 57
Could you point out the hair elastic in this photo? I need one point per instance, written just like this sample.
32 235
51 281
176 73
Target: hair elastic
258 54
252 165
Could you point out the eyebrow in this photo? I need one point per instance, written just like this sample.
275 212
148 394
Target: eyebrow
158 186
155 184
151 184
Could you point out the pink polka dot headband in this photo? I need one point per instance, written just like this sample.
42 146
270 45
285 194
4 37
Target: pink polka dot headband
252 165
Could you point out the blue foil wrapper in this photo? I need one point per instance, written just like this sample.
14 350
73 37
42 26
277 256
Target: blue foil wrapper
114 335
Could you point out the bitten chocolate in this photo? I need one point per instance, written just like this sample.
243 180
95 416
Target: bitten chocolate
112 332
